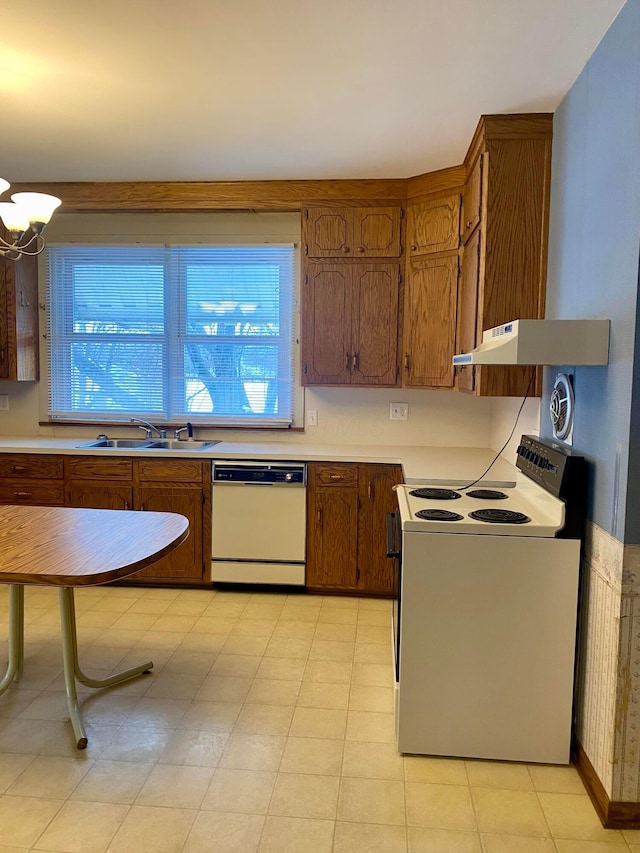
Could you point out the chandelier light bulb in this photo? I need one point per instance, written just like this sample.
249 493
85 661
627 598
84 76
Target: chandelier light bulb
38 207
14 217
25 218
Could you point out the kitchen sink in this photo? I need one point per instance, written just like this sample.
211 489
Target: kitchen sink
117 443
146 444
176 444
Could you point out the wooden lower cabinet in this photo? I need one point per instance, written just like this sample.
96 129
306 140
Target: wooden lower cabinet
332 530
377 498
186 562
31 478
155 485
100 495
346 545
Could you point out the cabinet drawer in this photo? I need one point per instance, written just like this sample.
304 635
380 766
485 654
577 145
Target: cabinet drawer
171 470
49 494
90 467
24 465
333 475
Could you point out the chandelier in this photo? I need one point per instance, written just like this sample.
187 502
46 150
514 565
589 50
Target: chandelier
25 218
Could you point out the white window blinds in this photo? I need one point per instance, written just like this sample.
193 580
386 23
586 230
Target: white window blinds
199 334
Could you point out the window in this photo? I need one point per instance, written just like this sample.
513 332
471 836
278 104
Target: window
173 334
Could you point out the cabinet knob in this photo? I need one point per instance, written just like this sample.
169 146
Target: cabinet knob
361 248
467 224
406 361
414 248
345 248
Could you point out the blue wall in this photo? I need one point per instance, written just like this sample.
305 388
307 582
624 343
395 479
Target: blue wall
594 242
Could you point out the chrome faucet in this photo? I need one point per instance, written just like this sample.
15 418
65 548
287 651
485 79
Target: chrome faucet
148 428
188 428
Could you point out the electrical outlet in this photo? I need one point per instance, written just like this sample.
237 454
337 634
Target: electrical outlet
398 411
312 417
4 402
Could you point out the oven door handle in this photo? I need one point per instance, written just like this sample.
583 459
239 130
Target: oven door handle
392 551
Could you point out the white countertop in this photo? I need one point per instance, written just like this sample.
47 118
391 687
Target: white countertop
420 464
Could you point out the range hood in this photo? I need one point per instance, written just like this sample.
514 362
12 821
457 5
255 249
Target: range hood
554 342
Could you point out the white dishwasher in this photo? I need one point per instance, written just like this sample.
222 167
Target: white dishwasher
258 522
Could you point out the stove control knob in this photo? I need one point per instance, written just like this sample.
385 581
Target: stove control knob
288 477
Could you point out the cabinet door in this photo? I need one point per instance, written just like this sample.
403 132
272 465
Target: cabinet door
95 494
468 309
376 232
328 232
434 226
375 324
472 204
326 326
19 318
377 498
332 533
430 322
186 562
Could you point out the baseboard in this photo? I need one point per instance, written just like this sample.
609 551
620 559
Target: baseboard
614 815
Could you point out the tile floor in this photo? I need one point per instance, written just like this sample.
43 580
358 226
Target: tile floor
266 726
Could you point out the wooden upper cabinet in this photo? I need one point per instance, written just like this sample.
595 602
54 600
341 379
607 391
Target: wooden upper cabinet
19 319
512 194
430 322
352 232
350 324
472 200
326 325
374 324
468 310
328 232
433 226
376 232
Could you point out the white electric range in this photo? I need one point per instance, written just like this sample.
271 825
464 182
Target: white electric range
485 611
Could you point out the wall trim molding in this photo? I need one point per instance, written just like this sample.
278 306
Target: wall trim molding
612 814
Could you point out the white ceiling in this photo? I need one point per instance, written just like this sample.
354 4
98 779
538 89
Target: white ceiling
266 89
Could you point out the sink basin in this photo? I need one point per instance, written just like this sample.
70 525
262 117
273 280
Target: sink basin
117 442
175 444
147 444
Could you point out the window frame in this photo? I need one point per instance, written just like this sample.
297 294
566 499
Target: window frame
173 417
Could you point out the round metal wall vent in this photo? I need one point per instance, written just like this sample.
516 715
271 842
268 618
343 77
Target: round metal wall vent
561 407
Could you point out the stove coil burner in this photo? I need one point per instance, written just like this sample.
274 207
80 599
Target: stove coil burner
438 515
436 494
499 516
487 495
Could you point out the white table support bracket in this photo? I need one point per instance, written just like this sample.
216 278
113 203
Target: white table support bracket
72 671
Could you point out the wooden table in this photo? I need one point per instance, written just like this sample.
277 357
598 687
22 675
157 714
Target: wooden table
57 546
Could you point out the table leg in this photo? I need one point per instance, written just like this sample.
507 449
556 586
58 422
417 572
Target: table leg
72 669
16 636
